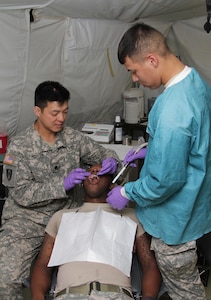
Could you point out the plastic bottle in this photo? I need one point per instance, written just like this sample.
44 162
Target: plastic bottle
3 139
118 130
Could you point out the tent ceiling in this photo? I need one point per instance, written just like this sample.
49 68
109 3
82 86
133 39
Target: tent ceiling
124 10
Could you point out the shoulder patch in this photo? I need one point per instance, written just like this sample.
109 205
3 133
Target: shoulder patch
9 159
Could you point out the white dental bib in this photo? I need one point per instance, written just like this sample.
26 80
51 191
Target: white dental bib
97 236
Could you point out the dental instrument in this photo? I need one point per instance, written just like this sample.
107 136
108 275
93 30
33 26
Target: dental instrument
136 150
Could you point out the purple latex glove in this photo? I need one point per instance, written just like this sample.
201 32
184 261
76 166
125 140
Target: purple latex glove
109 166
75 177
115 198
131 156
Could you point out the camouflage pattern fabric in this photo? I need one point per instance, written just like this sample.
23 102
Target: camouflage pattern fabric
20 242
33 173
179 271
96 295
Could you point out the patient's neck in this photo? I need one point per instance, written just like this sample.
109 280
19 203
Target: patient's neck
95 200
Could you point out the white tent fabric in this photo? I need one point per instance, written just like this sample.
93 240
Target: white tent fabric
124 10
194 45
75 42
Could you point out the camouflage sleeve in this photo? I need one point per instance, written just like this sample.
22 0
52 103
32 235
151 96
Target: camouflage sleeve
33 180
26 187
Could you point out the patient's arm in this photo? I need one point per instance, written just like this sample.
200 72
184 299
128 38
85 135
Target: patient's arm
41 273
151 278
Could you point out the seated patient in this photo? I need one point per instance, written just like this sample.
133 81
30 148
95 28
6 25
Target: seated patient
75 277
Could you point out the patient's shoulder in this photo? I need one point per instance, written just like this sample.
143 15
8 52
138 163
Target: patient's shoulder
54 222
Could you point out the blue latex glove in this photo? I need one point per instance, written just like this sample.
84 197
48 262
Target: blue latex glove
109 166
75 177
115 198
131 156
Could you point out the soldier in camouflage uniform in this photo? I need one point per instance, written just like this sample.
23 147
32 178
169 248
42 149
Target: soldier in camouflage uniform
36 164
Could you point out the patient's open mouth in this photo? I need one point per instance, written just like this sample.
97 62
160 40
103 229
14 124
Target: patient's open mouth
94 179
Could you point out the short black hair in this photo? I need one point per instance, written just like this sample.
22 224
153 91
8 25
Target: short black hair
50 91
139 40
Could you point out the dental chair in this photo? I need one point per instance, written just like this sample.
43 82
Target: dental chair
49 295
136 280
204 257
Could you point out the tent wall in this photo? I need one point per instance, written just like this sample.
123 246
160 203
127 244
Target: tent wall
194 45
82 55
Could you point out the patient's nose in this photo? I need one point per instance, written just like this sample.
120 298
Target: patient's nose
95 171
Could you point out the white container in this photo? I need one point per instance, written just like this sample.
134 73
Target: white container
133 105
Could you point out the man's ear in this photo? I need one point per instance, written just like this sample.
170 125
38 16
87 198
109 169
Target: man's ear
37 111
152 60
